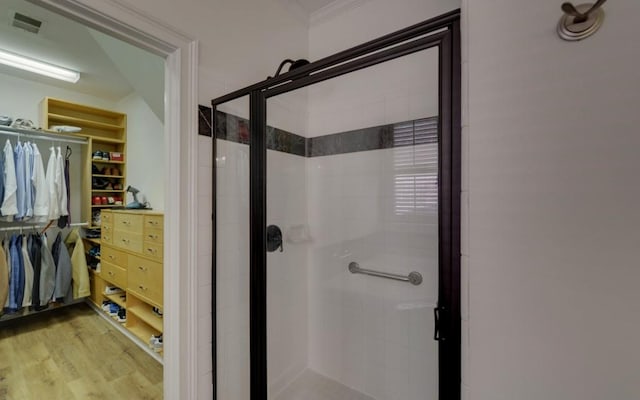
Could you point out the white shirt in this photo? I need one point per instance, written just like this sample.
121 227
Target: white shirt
61 183
28 187
52 188
9 203
41 190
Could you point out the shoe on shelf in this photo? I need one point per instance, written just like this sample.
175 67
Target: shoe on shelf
114 309
155 343
105 156
98 155
157 312
93 233
105 305
122 315
95 170
112 290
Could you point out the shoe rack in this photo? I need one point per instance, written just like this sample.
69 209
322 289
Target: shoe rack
104 174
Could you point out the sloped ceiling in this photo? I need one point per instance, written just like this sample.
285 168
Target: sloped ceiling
105 64
142 70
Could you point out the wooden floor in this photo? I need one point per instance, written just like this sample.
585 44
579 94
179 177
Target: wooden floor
72 353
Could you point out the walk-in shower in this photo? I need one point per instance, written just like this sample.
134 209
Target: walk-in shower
337 225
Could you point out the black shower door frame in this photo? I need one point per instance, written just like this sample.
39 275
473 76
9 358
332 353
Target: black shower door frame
442 32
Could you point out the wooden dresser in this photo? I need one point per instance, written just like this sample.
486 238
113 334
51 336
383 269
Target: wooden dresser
131 259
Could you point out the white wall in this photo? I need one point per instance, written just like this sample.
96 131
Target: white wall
21 98
368 333
400 90
551 224
145 148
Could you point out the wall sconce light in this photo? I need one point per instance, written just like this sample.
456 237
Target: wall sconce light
38 67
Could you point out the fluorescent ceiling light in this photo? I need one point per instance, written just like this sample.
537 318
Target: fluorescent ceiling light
38 67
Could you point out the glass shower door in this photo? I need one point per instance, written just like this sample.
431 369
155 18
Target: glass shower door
353 235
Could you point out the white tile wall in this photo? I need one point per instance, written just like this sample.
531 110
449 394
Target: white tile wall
363 98
361 328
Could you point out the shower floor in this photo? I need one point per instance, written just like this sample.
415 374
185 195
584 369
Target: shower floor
313 386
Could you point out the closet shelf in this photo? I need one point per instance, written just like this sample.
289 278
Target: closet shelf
106 191
107 176
97 139
142 331
107 162
81 122
116 299
93 240
144 313
107 205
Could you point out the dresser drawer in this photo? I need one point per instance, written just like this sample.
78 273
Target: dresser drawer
113 256
114 274
145 278
127 222
153 221
153 235
107 228
106 217
153 250
128 241
106 236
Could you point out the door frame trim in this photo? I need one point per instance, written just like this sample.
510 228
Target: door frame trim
180 51
442 32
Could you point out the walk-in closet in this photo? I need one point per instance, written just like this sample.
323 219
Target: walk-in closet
81 211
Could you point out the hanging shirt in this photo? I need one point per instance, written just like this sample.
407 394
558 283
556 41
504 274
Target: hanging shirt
1 178
59 251
28 272
9 206
40 188
7 253
34 243
21 178
16 285
4 277
52 188
28 171
79 272
47 273
61 184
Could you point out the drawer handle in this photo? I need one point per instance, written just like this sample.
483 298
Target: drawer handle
142 288
153 222
153 236
152 251
110 273
126 222
143 269
125 241
111 257
106 237
106 228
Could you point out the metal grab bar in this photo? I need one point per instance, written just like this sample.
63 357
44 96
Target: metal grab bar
415 278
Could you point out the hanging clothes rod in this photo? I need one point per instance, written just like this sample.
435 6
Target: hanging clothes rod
40 134
38 226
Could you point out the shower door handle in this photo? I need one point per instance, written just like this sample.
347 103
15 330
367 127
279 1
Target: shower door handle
437 333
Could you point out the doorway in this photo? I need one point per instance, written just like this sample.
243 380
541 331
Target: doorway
349 284
180 144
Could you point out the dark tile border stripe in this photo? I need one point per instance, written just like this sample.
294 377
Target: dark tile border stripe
409 133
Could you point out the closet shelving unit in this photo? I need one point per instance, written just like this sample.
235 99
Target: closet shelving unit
106 131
